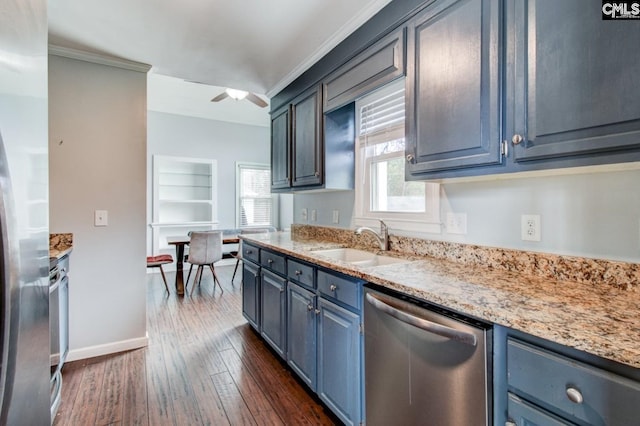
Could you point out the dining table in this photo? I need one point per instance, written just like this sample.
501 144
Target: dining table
229 236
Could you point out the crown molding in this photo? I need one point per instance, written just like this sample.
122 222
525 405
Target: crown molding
344 32
97 58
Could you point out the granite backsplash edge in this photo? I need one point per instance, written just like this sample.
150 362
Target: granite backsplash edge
595 272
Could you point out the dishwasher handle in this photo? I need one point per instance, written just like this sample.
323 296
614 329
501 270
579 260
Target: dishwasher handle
429 326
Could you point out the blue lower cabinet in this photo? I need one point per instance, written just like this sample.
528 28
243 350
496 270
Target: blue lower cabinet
272 311
301 333
339 373
251 294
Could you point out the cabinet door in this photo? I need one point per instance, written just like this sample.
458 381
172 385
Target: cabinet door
272 311
301 333
453 87
339 354
307 162
573 80
280 154
251 294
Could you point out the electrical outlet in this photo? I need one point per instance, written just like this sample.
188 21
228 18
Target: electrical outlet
303 215
336 216
530 227
456 223
314 215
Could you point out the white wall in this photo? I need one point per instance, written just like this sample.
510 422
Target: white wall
97 148
594 215
183 136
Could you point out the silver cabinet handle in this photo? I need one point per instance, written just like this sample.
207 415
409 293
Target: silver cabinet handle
297 272
269 261
317 174
516 139
248 251
317 311
574 395
410 158
333 287
309 307
431 327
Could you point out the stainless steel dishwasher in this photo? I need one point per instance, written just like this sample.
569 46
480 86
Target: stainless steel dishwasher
424 367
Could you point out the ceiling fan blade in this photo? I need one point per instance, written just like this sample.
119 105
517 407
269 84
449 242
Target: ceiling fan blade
256 100
220 97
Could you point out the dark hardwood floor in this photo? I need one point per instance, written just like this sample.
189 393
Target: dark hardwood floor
204 366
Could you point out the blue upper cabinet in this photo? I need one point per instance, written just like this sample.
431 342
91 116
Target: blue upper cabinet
572 81
453 87
280 148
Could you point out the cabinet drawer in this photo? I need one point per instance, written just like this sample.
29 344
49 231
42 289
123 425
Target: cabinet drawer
339 288
524 414
550 380
300 273
250 252
272 261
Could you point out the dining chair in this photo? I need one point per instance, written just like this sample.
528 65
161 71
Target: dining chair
157 262
237 255
205 249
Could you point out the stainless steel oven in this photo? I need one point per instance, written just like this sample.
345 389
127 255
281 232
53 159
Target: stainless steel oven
424 367
58 325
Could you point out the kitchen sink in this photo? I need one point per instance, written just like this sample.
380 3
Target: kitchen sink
359 257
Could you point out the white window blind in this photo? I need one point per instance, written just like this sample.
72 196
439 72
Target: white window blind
382 192
255 203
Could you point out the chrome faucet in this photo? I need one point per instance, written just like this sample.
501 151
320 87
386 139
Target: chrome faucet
382 237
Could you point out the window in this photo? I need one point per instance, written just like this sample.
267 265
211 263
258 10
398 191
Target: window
381 190
255 206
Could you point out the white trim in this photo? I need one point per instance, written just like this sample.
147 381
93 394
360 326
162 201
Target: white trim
97 58
108 348
338 36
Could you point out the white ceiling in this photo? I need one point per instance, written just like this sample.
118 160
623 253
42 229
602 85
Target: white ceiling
255 45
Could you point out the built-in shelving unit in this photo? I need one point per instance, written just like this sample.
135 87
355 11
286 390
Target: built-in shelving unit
184 198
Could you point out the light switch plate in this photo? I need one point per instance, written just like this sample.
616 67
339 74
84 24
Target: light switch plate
101 218
314 215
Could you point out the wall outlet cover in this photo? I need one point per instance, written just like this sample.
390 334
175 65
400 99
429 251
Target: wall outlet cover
336 216
314 215
303 215
530 227
456 223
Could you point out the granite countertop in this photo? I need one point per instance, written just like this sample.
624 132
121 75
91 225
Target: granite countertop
60 245
601 320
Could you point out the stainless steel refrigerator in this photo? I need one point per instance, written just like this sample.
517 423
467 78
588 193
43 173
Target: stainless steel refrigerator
24 230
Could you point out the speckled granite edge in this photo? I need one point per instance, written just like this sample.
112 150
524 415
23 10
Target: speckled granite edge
595 272
60 244
601 320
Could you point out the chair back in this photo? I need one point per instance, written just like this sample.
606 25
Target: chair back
205 248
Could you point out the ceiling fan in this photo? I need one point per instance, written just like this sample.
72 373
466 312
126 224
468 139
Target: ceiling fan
238 95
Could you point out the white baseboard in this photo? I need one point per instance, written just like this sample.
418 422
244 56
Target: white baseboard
107 348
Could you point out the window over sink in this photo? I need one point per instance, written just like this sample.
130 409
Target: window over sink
381 190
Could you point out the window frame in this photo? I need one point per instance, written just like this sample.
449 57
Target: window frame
240 165
427 221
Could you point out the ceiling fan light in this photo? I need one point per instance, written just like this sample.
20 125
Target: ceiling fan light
236 94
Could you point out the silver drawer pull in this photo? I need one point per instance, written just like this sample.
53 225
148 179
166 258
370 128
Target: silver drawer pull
333 287
297 272
248 251
269 261
317 311
574 395
309 307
